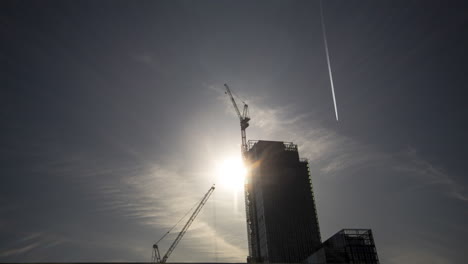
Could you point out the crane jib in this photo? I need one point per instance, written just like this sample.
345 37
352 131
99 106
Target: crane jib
156 256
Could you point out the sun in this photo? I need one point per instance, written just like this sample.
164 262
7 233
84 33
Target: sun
231 173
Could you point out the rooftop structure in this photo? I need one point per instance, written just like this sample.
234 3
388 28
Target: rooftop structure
348 246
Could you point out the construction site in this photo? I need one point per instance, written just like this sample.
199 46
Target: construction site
281 215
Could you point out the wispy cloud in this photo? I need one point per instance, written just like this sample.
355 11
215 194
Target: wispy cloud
429 174
19 250
30 242
146 58
331 152
156 197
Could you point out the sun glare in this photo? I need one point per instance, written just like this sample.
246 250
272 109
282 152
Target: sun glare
231 174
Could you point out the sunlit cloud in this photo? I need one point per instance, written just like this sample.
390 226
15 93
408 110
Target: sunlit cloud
157 197
331 152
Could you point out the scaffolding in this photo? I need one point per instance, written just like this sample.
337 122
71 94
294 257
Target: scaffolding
348 246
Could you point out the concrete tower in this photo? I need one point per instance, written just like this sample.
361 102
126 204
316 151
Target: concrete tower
284 226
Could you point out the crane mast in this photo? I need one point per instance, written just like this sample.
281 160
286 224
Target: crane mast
243 118
156 256
250 211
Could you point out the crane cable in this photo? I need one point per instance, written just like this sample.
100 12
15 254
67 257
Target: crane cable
215 231
238 97
191 209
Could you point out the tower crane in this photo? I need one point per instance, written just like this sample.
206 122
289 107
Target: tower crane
250 211
156 258
244 119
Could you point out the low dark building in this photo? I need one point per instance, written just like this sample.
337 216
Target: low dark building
349 246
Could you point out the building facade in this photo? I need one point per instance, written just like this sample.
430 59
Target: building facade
348 246
282 218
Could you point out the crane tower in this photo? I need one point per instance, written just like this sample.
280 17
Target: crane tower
249 206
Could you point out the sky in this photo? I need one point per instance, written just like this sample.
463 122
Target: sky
114 119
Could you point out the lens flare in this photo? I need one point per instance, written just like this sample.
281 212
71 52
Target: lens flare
231 173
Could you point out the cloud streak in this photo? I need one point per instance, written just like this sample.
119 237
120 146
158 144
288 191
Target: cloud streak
432 175
30 242
156 197
333 153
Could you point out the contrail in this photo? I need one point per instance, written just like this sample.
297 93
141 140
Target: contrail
328 59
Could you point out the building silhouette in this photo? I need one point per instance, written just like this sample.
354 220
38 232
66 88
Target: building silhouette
348 246
283 224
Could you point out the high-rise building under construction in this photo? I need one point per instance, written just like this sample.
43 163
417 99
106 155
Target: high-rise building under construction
282 218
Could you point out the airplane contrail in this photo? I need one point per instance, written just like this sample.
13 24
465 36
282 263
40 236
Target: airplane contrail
328 59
